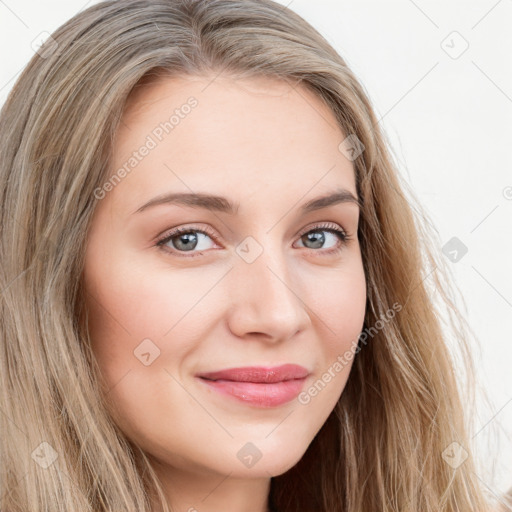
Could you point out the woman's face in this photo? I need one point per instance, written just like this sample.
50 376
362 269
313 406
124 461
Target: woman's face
267 284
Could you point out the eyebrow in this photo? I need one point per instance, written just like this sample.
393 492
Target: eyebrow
224 205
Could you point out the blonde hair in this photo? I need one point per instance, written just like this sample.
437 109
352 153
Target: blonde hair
382 446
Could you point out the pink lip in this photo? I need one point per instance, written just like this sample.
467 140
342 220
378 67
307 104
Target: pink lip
264 387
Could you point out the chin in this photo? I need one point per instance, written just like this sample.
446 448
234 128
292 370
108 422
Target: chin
275 461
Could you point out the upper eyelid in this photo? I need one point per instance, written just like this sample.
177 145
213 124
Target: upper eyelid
321 225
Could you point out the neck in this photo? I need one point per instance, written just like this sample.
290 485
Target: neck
194 491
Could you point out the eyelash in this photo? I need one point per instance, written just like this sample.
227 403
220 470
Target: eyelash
331 228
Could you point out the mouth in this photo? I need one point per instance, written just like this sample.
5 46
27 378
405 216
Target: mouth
258 386
258 374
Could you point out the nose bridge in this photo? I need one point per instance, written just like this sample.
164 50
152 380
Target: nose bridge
263 293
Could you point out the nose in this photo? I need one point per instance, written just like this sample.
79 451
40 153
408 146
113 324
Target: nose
265 301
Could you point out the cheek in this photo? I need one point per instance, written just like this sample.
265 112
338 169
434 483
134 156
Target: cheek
339 305
138 307
348 310
129 300
339 311
130 311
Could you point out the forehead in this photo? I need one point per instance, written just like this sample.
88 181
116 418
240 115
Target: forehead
241 136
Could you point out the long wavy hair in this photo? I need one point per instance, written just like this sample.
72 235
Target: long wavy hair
384 445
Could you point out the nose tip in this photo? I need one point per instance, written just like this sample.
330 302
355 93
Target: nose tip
264 302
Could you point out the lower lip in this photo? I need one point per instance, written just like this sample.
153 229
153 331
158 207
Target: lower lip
259 394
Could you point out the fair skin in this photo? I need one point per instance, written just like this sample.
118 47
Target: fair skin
270 148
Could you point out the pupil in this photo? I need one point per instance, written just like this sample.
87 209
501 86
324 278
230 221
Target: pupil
317 237
190 239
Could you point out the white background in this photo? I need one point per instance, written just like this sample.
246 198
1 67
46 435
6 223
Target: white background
450 124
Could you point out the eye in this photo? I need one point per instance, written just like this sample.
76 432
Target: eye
316 237
189 239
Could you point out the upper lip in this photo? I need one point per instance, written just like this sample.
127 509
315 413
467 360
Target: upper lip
258 373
